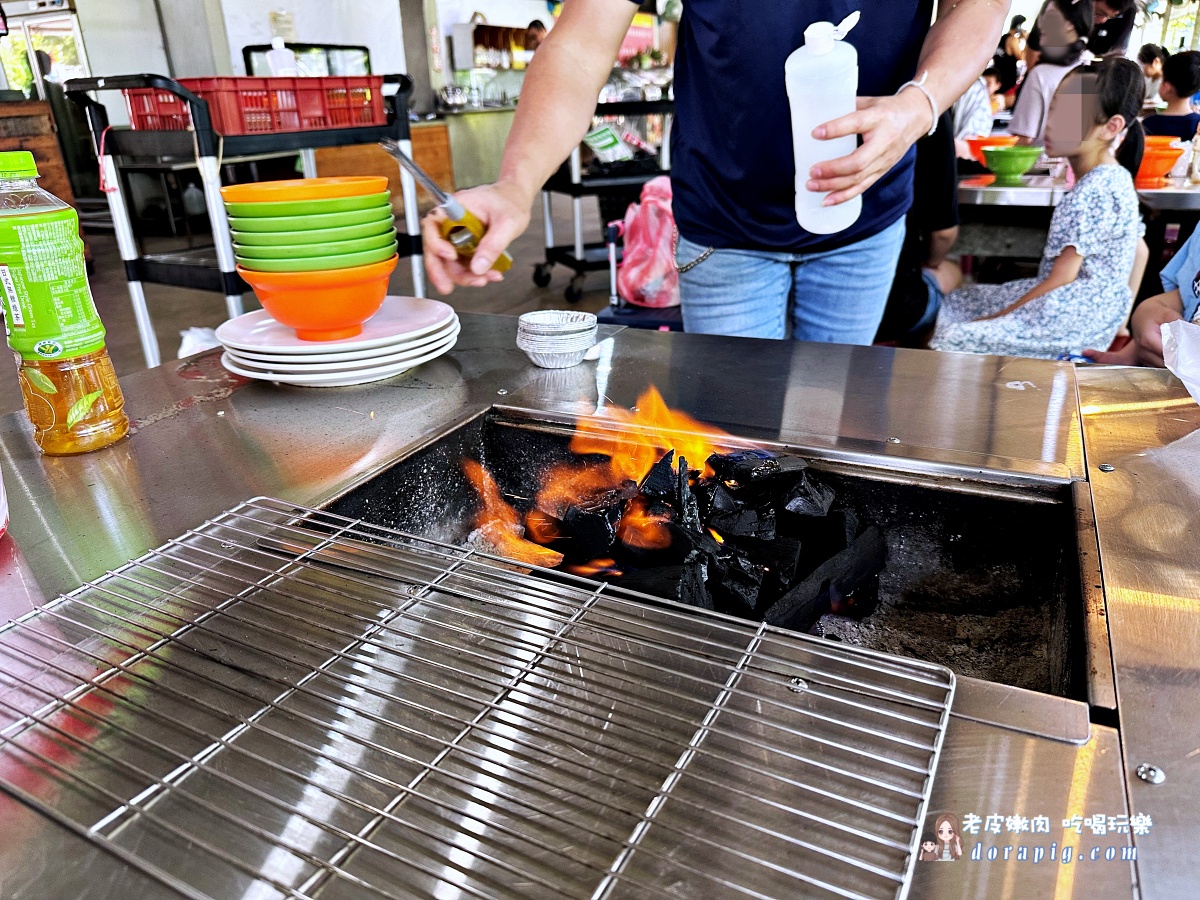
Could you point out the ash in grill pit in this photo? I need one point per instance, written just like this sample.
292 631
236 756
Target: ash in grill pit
978 622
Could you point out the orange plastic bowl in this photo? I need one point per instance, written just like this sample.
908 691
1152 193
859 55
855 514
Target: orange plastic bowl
328 305
305 189
977 144
1157 162
1160 140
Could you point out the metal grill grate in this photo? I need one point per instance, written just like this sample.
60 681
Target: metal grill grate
286 703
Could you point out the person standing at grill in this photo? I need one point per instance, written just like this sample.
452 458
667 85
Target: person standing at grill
750 268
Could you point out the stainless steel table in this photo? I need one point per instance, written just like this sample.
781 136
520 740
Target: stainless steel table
204 440
1035 190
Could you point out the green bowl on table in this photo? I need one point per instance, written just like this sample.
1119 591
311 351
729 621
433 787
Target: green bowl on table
271 224
315 236
319 263
1008 164
308 207
329 248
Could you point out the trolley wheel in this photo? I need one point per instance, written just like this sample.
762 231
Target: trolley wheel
574 291
541 274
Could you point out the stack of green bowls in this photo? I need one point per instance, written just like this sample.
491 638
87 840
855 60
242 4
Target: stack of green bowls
355 227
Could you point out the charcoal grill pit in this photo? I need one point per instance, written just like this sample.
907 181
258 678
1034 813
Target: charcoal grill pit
981 579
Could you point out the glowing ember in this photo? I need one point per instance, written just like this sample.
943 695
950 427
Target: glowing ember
541 528
500 524
596 567
716 537
643 529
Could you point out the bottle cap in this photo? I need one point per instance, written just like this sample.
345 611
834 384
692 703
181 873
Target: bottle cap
17 164
820 37
277 43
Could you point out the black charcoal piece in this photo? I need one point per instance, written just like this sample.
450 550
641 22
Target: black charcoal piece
693 586
688 508
750 467
660 483
745 523
591 524
723 501
781 556
836 578
658 581
743 580
809 497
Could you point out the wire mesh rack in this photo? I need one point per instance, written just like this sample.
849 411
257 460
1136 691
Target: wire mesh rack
286 703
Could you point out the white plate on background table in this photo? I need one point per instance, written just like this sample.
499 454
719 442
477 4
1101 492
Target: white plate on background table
362 357
336 379
302 366
398 318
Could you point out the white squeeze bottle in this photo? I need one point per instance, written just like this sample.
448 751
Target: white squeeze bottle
822 85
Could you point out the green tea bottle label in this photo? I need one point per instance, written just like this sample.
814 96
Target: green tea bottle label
48 306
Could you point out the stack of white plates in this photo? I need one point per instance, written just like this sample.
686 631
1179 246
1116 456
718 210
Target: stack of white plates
556 339
406 332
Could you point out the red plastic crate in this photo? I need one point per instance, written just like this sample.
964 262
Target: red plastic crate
264 105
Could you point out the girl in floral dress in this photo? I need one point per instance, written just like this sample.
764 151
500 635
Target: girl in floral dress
1081 296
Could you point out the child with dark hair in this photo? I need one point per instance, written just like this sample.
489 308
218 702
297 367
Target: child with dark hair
1180 81
1081 296
1064 28
1151 57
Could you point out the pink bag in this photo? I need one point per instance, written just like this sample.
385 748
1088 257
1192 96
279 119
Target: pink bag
647 276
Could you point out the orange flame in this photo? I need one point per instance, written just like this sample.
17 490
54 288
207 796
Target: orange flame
631 441
541 527
501 524
716 537
643 529
634 440
596 567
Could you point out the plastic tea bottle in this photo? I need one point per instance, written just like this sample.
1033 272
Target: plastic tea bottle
822 85
67 380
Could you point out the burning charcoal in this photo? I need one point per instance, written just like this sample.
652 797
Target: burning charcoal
781 556
743 580
693 586
660 482
751 467
820 536
809 497
592 524
835 579
723 501
745 523
688 509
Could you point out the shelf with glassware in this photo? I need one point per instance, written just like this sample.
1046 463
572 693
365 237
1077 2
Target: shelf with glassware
645 125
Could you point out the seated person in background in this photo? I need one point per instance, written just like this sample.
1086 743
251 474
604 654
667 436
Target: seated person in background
1180 80
1181 282
972 116
1152 57
1064 28
1081 296
923 274
991 77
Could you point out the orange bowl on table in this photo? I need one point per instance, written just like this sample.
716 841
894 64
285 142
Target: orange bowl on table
327 305
1157 162
996 140
304 189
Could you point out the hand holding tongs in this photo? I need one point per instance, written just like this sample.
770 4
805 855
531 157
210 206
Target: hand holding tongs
461 227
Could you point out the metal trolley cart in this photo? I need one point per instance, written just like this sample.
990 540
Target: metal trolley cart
580 256
202 147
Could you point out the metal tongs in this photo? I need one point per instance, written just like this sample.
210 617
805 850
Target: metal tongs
461 227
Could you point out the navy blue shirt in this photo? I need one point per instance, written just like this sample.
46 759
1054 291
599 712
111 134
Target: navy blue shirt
733 172
1182 127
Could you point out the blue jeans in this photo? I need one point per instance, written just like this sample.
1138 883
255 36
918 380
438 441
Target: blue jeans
833 297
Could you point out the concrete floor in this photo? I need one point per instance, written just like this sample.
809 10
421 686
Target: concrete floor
175 309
